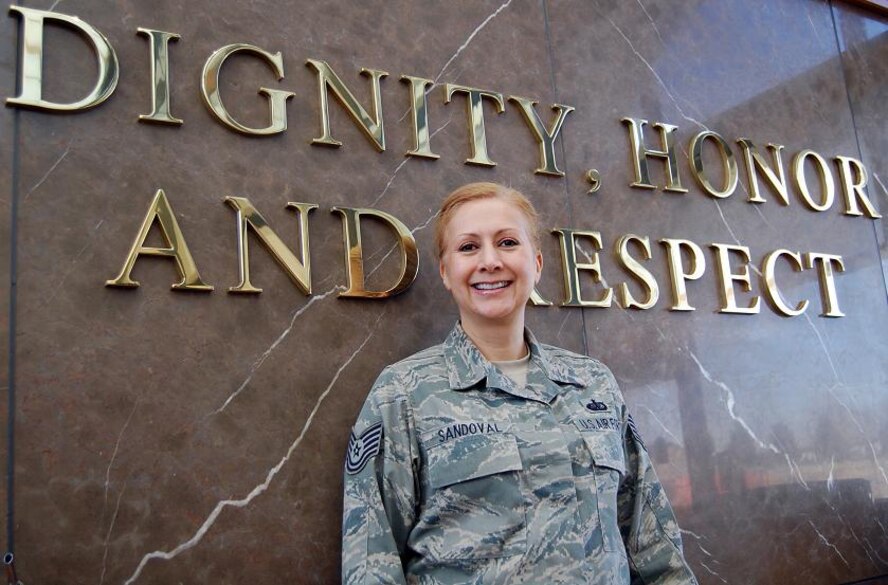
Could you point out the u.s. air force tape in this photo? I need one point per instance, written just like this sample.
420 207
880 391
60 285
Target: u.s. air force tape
634 430
362 448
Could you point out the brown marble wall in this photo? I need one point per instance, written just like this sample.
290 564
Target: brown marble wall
165 437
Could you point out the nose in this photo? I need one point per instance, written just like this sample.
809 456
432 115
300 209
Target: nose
490 259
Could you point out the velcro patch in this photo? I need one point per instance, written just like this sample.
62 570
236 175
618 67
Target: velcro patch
362 448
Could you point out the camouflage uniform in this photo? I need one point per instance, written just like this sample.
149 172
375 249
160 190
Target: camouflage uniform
455 475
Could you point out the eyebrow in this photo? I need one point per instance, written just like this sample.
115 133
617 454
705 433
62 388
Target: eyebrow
497 233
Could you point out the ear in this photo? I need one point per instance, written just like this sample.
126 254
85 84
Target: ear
539 266
443 274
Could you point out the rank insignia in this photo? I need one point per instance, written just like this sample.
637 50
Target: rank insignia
596 406
362 448
634 430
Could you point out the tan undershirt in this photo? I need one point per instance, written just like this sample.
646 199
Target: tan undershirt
516 369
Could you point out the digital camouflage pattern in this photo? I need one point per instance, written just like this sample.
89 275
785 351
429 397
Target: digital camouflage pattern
478 481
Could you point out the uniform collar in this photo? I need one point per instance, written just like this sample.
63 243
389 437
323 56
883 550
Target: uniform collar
467 367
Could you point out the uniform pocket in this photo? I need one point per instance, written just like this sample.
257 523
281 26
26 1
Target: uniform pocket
476 509
609 467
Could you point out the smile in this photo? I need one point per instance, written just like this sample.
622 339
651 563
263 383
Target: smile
491 285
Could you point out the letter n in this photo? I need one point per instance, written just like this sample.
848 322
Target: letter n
298 269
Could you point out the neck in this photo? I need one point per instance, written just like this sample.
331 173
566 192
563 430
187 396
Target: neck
498 342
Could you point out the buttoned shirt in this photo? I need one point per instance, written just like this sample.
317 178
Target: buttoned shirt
456 475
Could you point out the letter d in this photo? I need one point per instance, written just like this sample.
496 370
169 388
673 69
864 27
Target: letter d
354 252
31 72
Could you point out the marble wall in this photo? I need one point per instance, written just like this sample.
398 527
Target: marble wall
168 437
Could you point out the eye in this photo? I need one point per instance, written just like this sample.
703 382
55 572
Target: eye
509 242
467 247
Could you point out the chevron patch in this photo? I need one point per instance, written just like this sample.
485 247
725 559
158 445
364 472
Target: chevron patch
362 448
635 434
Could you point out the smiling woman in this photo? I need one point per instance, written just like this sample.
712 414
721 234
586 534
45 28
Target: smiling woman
489 259
493 458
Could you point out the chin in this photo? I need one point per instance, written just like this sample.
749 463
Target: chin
494 317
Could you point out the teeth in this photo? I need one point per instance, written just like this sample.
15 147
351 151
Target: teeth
490 285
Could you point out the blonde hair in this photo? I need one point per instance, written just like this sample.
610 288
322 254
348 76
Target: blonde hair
477 191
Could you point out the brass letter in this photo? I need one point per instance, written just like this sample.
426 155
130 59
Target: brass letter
571 268
826 180
277 98
852 188
537 300
160 77
729 165
372 127
419 106
31 80
723 262
624 297
298 269
545 138
640 155
175 248
677 274
594 178
354 253
829 300
475 109
755 162
772 291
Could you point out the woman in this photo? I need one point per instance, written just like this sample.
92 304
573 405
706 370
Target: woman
492 458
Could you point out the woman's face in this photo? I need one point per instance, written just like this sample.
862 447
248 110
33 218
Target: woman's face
489 262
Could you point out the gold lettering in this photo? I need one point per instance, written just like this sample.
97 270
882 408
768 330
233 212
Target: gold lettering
419 107
537 299
31 80
475 109
723 263
571 268
825 264
371 126
854 179
158 45
298 269
640 155
642 274
826 180
769 278
277 98
354 253
545 138
729 165
756 165
176 248
677 274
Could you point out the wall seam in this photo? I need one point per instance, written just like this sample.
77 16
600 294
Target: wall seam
873 223
13 268
566 179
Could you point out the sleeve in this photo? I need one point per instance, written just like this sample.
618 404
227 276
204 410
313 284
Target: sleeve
647 522
380 490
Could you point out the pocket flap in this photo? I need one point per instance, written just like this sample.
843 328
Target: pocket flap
606 448
472 457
